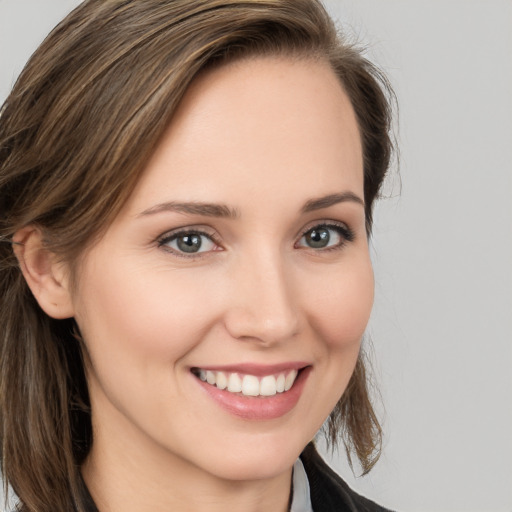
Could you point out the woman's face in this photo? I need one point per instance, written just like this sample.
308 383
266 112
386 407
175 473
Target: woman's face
240 258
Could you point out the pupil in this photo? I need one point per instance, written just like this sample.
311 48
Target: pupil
318 238
189 243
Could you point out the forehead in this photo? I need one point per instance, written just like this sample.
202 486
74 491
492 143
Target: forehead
257 126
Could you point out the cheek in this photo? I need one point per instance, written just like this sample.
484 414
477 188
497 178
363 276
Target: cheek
338 313
340 310
138 326
138 316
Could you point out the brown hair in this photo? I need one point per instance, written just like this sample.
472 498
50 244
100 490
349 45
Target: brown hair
75 133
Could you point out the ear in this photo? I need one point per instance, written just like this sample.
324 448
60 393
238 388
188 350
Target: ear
46 276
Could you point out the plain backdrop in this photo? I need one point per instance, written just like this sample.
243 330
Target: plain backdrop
442 248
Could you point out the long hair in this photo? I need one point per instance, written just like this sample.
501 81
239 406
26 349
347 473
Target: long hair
80 124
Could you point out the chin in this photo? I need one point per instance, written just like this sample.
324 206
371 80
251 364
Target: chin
257 468
254 459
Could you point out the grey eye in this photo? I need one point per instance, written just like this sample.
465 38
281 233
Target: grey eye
318 238
325 236
190 243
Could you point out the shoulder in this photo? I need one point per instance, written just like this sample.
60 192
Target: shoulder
329 492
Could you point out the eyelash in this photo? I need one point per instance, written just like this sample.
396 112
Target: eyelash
343 231
175 235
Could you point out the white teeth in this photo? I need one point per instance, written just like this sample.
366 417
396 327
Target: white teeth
249 385
280 383
234 383
222 380
290 379
268 386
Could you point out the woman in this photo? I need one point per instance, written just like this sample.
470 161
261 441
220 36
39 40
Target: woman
186 195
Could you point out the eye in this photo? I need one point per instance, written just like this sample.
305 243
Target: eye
326 236
189 242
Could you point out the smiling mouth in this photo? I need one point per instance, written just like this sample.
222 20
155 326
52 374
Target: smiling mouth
248 385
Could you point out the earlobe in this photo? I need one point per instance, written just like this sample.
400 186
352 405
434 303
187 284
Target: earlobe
46 276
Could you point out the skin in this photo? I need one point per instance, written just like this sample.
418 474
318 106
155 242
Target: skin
263 137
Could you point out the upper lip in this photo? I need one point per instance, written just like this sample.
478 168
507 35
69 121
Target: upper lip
257 370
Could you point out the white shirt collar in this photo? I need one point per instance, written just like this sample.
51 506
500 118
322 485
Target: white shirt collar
301 501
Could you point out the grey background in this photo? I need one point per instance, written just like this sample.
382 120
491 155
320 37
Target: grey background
442 249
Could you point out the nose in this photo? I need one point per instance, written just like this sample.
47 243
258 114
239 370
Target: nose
262 302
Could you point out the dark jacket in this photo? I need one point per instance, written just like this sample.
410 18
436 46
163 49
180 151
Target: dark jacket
329 493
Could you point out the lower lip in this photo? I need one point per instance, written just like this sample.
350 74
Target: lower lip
258 407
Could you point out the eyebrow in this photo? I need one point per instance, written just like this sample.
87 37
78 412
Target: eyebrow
193 208
224 211
331 200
